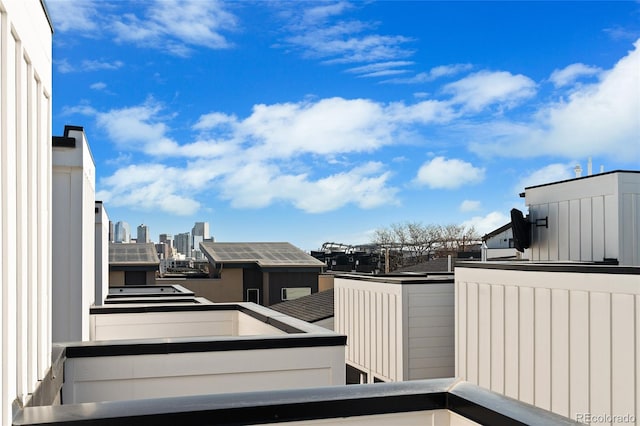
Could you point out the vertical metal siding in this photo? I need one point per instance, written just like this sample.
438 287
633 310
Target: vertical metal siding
567 342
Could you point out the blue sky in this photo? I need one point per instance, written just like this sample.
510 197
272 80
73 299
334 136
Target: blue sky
322 121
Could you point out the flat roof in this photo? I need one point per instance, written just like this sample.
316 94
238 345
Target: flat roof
265 254
133 254
403 279
595 175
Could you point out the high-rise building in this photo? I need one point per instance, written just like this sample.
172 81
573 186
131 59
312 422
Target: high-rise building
199 233
143 234
183 243
166 238
122 232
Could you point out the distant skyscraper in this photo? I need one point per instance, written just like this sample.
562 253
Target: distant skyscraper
122 232
183 243
199 233
167 239
143 234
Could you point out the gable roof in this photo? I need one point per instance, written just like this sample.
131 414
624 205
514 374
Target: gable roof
133 254
311 308
264 254
496 231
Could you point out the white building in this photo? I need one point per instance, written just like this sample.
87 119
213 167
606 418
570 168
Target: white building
25 202
587 219
561 332
101 254
74 224
398 327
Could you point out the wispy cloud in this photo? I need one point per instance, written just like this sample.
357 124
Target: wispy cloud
81 16
433 74
174 26
98 86
321 34
381 69
470 206
88 65
571 73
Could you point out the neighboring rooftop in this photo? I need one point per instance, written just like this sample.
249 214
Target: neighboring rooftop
264 254
434 265
133 254
311 308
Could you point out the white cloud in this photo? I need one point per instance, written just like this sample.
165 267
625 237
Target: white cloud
551 173
148 187
485 88
94 65
319 34
175 25
432 74
485 224
470 206
252 161
65 67
441 173
73 15
98 85
596 120
571 73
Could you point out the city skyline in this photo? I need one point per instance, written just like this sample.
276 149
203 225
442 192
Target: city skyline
312 122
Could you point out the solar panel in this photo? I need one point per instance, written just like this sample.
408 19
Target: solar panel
265 254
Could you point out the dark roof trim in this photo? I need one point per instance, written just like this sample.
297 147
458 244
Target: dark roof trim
66 141
496 231
582 177
186 345
46 14
278 320
446 278
335 402
580 268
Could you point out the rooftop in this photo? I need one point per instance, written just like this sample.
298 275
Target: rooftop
133 254
311 308
264 254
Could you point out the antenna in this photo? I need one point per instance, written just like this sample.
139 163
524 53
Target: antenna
578 170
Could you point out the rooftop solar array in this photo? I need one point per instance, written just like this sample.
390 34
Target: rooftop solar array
265 254
133 254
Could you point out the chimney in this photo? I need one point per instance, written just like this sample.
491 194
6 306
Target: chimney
578 170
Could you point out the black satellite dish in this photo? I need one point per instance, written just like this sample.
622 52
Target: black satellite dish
521 228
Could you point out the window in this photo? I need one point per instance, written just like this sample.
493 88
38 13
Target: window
511 243
291 293
253 295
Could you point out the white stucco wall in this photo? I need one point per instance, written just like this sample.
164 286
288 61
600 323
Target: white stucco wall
131 377
25 201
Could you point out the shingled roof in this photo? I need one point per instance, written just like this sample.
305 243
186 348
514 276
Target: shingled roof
311 308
